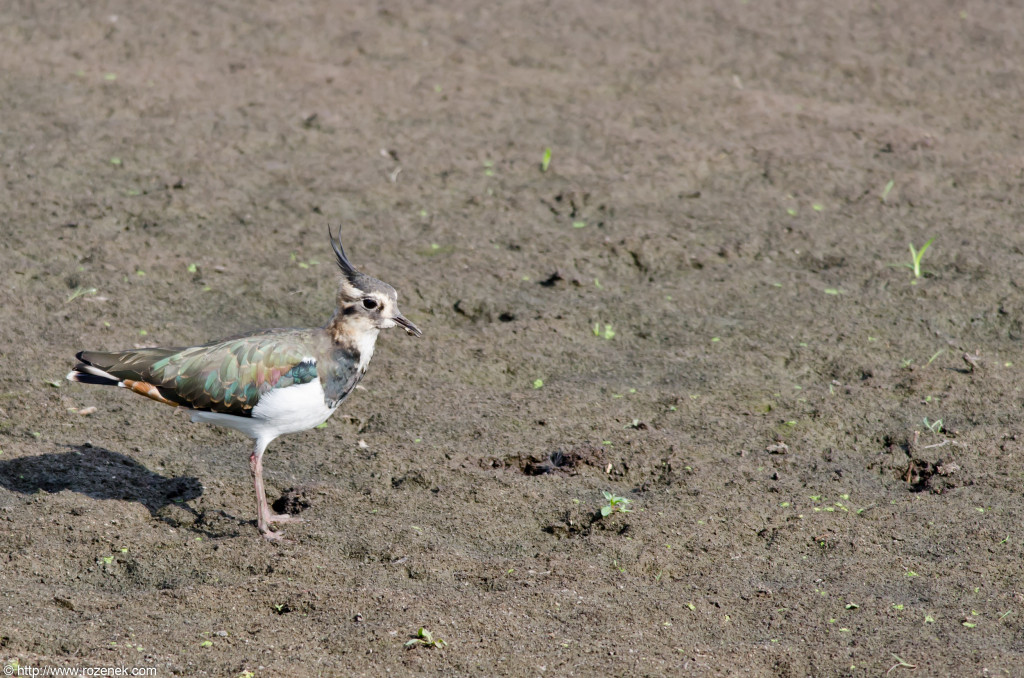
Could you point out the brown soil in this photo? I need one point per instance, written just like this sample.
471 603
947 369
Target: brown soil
768 393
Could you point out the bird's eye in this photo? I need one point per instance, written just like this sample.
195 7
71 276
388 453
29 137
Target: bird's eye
369 304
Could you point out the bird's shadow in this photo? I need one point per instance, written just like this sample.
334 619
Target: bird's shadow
101 474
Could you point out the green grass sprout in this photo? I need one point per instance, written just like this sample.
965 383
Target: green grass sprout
80 292
900 664
888 187
545 160
915 258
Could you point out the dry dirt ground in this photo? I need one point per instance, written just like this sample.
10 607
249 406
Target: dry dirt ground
702 306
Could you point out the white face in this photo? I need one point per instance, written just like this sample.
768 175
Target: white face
367 303
381 309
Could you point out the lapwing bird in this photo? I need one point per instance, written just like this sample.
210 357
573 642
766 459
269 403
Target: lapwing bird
264 384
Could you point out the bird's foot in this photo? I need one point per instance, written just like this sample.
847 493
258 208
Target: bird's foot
276 537
283 518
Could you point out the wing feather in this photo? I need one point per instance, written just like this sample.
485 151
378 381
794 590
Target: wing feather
227 376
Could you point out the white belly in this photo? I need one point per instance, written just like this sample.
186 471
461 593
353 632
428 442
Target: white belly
279 411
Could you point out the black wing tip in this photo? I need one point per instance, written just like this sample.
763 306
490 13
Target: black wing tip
80 376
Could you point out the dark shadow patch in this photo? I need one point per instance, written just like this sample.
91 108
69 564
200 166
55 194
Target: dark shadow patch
551 280
556 461
100 474
559 461
294 500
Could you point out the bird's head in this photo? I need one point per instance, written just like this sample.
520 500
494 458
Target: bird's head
365 303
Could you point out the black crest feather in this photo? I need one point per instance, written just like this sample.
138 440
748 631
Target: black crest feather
339 251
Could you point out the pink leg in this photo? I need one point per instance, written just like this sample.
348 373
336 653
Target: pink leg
263 515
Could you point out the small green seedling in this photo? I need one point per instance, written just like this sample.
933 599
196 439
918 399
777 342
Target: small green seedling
933 426
545 161
916 256
887 189
80 292
606 333
615 504
900 664
425 637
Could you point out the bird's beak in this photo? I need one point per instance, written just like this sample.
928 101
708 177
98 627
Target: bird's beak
407 325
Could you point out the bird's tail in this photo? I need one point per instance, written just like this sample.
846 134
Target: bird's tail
86 372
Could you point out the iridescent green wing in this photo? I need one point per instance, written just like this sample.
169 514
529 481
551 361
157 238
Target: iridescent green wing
231 375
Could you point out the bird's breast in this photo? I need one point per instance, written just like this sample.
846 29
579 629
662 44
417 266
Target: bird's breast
294 408
365 343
